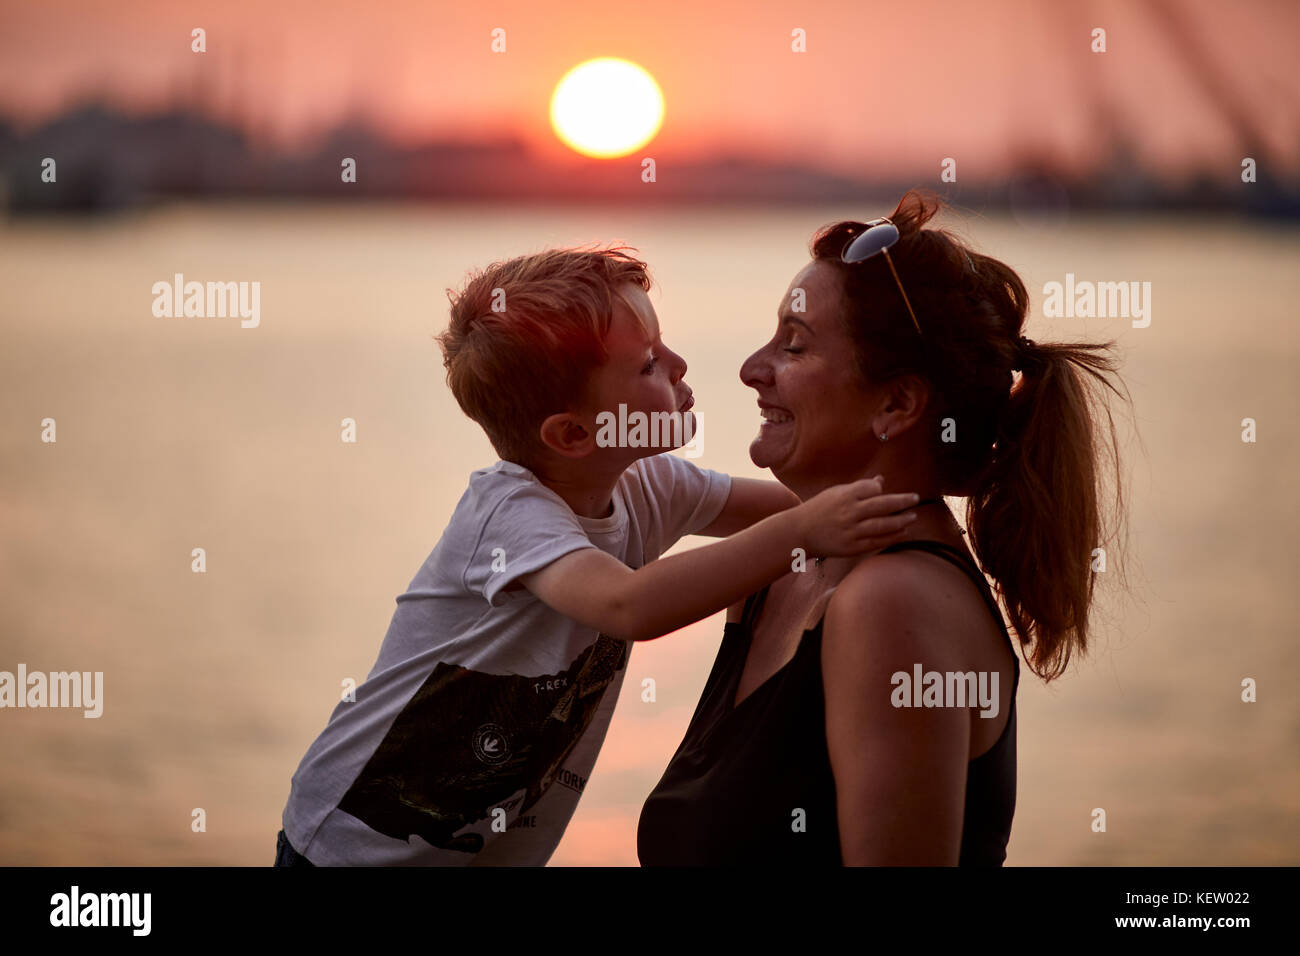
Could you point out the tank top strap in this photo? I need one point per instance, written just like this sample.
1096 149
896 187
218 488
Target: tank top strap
753 607
963 561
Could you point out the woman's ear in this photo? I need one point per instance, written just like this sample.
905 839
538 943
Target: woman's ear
907 398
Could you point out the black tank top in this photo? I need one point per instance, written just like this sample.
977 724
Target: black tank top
730 792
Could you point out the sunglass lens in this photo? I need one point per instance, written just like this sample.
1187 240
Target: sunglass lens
871 241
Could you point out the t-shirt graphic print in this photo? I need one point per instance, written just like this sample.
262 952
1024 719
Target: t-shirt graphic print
467 741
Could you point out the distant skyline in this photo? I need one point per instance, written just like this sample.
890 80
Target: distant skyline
881 90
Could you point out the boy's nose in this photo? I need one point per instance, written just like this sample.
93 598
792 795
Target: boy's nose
678 367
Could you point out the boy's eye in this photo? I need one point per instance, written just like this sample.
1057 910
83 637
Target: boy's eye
650 366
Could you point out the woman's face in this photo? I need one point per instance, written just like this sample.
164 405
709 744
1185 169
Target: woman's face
816 406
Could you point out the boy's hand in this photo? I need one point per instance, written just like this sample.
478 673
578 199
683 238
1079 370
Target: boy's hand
853 518
601 592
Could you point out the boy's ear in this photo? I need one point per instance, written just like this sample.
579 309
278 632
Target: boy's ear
565 434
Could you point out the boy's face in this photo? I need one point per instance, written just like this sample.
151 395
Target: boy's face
642 374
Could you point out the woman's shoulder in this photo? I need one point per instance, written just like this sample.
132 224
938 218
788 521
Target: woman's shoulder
911 602
899 576
890 582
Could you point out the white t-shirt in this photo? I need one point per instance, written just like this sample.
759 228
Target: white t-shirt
485 704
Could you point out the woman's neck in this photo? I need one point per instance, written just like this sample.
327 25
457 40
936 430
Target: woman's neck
934 522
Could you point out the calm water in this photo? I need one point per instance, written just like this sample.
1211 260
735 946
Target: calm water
182 433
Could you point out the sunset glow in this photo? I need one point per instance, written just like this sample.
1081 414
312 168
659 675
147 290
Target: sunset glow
607 108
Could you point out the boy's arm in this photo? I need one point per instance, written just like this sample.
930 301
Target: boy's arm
749 501
601 592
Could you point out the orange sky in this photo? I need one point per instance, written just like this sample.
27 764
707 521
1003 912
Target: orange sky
883 88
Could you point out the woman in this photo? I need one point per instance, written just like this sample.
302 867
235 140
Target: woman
810 744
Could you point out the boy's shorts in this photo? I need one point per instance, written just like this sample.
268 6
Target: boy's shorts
286 855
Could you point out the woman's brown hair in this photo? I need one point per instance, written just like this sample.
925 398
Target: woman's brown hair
1028 452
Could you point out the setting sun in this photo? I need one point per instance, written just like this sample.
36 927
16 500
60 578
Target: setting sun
607 107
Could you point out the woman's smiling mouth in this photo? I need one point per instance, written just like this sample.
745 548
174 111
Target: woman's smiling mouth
774 416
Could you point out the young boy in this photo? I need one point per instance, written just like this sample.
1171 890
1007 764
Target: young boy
472 738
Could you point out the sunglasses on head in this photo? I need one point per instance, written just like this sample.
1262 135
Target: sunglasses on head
877 236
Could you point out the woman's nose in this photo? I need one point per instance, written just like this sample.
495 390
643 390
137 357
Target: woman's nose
754 370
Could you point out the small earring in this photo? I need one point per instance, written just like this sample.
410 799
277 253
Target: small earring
884 436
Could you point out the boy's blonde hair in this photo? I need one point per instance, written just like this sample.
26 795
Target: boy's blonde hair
510 369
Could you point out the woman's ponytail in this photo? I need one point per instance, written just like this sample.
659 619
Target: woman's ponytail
1038 513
